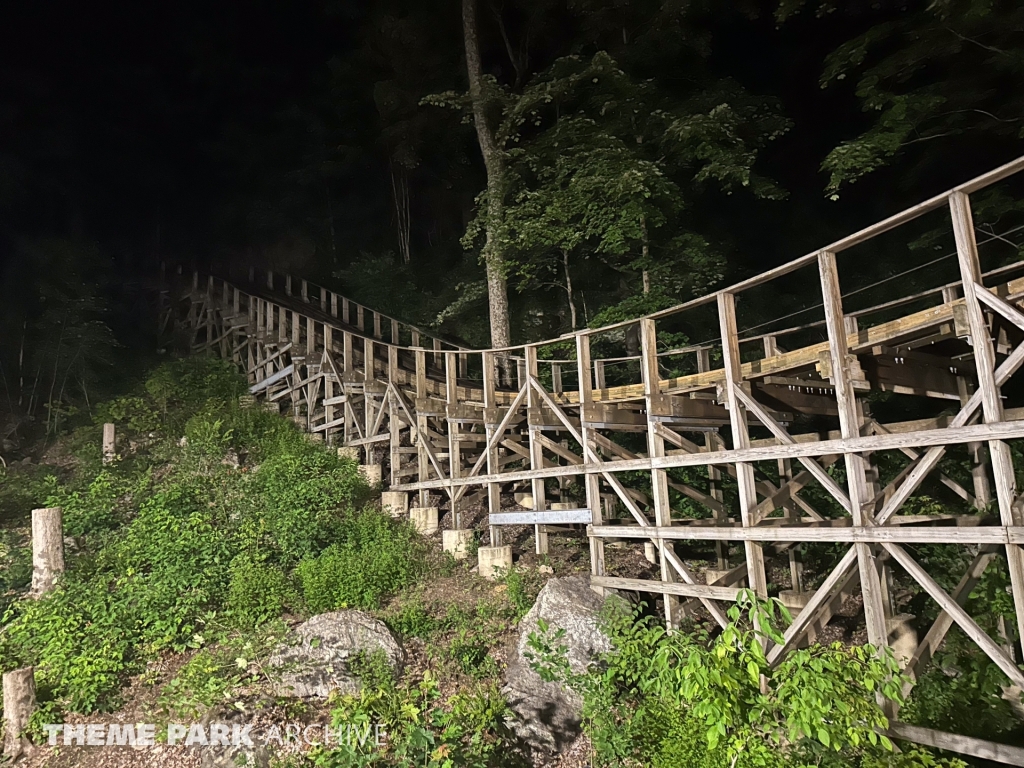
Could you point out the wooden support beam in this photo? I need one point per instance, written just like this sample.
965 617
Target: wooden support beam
988 387
849 424
740 439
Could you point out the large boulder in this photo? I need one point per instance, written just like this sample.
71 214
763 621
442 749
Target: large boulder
314 659
548 714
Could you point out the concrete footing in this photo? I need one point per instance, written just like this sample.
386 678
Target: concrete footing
795 601
348 452
456 542
371 473
902 637
424 519
650 552
394 502
492 559
272 405
712 575
523 499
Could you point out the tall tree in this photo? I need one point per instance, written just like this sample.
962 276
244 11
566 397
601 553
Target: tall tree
494 161
930 74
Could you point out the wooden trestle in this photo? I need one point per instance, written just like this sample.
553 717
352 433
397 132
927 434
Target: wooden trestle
741 432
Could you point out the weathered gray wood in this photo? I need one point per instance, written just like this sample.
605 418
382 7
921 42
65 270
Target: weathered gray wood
928 645
849 424
109 443
740 439
988 387
958 614
19 688
920 439
954 742
47 549
656 448
667 588
869 534
543 517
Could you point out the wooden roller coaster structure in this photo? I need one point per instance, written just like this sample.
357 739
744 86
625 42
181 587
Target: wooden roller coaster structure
727 442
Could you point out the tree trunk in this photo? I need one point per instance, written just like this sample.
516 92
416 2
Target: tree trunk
494 257
19 687
568 288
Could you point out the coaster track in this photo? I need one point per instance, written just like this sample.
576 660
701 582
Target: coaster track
734 439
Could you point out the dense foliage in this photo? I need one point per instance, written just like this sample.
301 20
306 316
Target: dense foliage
684 698
176 544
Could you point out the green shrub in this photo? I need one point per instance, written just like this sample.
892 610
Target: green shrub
469 730
378 557
687 698
303 494
258 592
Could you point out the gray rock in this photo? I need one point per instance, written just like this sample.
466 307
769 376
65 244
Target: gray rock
313 660
234 756
548 714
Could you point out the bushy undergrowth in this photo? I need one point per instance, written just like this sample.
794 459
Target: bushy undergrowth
684 699
172 542
420 728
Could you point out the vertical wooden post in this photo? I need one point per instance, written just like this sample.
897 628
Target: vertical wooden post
978 454
849 425
556 378
436 343
329 386
19 688
656 450
360 317
109 443
348 364
369 374
991 401
270 279
536 451
454 445
592 481
376 326
493 489
288 285
394 332
47 549
599 374
304 290
422 426
740 439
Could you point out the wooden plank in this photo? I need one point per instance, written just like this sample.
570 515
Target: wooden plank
543 517
925 438
283 373
964 745
870 534
700 591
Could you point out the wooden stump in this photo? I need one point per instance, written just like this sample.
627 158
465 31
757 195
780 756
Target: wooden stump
47 549
19 703
109 443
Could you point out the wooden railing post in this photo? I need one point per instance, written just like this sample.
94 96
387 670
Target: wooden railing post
991 400
109 443
591 480
19 688
530 369
47 549
740 439
849 425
